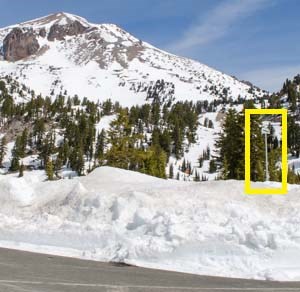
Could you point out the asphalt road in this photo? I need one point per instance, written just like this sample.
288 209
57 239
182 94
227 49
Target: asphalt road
23 271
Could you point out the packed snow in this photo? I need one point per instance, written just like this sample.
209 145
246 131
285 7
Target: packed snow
209 228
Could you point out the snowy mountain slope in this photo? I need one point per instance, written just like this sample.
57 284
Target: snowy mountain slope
205 139
65 52
209 228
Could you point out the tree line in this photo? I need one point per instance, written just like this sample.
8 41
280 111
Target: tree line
62 132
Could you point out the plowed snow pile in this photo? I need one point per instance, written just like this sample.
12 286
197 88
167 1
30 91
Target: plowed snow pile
209 228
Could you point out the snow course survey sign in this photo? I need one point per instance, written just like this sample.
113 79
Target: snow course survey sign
266 191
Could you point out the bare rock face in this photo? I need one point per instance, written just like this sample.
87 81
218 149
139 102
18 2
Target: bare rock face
18 45
42 32
59 32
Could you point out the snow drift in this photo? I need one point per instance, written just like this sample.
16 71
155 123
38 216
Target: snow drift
209 228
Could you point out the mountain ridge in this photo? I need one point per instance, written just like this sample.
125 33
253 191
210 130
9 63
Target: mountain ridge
65 52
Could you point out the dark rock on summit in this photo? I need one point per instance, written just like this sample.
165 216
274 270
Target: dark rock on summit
42 32
59 32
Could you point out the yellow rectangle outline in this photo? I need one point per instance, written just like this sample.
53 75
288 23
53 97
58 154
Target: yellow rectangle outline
284 167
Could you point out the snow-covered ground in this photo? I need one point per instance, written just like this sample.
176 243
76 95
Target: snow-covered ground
205 138
294 163
209 228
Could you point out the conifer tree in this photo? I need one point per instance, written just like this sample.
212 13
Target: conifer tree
49 169
21 170
165 142
212 166
256 150
292 177
273 158
47 147
155 163
206 122
58 165
231 146
178 140
15 164
80 162
200 160
3 150
100 147
189 168
207 153
65 152
8 107
77 159
225 170
183 166
23 143
197 176
292 98
293 135
38 132
171 171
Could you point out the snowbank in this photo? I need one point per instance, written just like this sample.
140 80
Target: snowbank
209 228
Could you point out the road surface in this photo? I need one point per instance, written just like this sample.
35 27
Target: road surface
24 271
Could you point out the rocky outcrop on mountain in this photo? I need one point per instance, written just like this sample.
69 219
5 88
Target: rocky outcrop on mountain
19 44
42 32
59 32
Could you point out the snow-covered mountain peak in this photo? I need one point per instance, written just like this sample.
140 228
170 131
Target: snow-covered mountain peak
66 53
61 18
